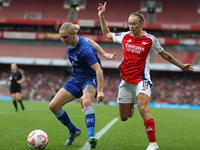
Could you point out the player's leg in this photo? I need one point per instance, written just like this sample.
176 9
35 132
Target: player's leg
89 93
13 95
81 101
143 100
60 99
19 99
126 100
125 110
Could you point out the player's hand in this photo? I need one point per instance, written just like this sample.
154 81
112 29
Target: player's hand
18 81
187 67
101 9
110 56
100 96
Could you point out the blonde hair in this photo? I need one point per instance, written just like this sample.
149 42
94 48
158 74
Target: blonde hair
70 27
139 15
20 70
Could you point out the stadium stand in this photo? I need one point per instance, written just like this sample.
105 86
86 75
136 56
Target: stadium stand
183 56
54 10
180 12
114 10
34 51
50 9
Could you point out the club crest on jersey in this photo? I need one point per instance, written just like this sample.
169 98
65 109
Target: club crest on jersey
118 34
75 58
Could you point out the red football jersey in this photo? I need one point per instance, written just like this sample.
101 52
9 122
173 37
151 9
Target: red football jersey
135 64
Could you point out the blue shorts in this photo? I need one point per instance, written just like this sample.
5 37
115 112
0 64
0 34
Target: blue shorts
76 87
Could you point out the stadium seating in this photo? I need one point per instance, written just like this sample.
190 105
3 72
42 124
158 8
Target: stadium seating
50 9
180 12
115 10
34 51
183 56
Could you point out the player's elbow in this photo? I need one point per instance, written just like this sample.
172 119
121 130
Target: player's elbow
108 35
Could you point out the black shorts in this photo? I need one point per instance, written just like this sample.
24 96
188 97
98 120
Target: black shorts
15 89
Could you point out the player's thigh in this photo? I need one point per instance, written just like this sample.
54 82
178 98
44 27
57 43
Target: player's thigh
89 93
18 96
143 93
143 100
13 95
61 98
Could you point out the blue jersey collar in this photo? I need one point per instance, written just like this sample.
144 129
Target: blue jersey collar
76 43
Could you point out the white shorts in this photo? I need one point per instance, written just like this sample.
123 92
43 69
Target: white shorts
128 92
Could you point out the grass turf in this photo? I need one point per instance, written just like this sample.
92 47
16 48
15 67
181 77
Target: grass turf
175 128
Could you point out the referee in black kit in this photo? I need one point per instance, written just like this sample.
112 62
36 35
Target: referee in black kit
16 77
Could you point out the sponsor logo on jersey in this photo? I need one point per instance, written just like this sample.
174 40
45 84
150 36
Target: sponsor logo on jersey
117 34
133 48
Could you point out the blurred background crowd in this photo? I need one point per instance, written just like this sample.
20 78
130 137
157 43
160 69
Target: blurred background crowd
168 87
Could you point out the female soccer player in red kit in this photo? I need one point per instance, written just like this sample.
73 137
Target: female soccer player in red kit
135 86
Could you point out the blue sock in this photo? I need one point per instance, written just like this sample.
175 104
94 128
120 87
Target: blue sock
62 116
90 121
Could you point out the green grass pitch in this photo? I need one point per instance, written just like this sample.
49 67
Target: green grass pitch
176 129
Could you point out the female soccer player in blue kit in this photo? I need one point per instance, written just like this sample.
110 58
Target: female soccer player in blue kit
87 80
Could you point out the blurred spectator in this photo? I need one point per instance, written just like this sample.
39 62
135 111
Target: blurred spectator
173 89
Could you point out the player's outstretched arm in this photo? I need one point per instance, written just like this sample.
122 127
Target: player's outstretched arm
101 51
104 28
167 56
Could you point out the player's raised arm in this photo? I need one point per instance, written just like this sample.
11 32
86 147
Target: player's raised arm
104 28
167 56
101 51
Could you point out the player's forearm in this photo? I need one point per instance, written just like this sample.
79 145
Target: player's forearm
98 48
22 80
104 28
100 79
172 60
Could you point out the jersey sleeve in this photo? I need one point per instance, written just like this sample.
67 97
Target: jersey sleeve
117 37
88 54
157 48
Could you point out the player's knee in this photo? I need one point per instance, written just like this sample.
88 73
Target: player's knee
123 118
142 111
87 103
52 107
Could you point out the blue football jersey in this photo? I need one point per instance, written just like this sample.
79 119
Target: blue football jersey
82 57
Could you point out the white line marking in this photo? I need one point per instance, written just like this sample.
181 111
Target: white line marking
100 133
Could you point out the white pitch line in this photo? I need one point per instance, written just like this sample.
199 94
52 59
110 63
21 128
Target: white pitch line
100 133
